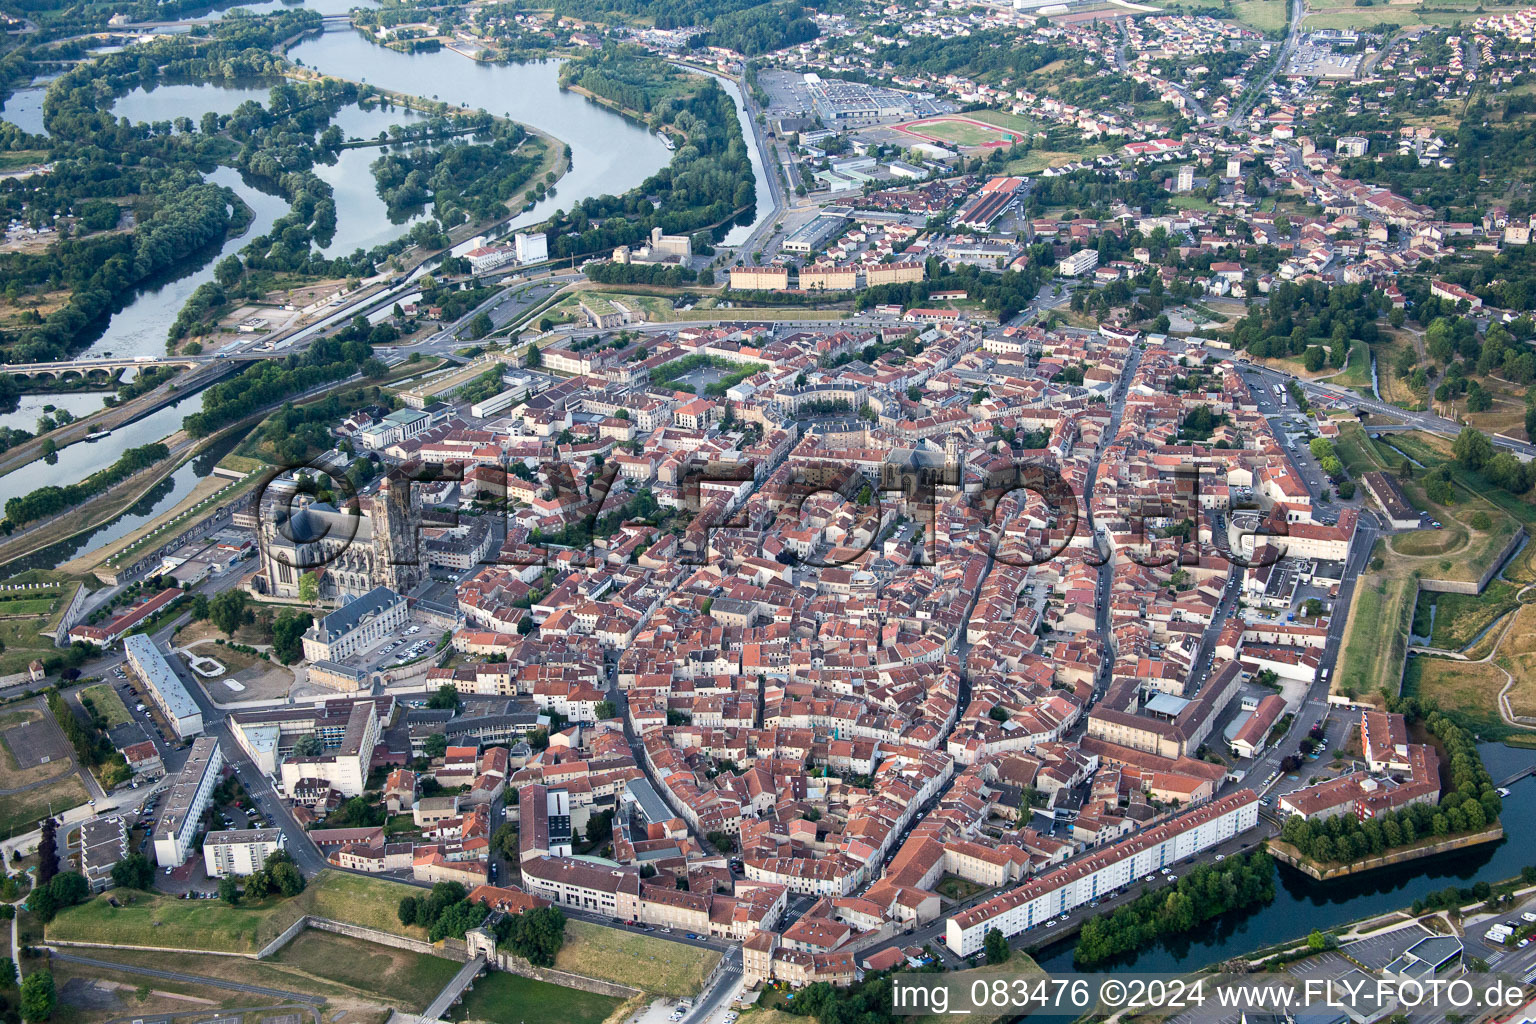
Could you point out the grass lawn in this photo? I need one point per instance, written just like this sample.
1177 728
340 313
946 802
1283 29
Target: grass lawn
512 999
31 606
19 812
1365 17
1517 653
1395 389
1358 373
23 635
406 978
1266 16
107 704
156 920
1376 636
1003 119
656 965
1470 690
959 131
1038 159
1356 450
956 888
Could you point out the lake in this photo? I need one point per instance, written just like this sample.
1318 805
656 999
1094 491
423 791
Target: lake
609 154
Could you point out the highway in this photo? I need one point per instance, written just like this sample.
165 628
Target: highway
1295 13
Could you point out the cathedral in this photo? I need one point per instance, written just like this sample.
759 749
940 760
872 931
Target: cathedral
351 550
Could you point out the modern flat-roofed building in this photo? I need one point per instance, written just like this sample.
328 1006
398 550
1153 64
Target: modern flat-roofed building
240 851
164 685
343 764
814 234
1079 263
177 823
103 842
531 248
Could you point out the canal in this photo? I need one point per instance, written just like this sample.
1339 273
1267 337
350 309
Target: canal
1302 904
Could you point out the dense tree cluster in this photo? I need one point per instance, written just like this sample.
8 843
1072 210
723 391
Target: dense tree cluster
760 29
63 891
535 935
53 499
464 181
669 275
278 875
1469 803
984 56
1299 316
749 26
1003 295
445 912
264 383
1205 891
92 744
708 181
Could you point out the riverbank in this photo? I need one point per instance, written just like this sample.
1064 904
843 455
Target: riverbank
1287 854
1303 903
102 508
108 419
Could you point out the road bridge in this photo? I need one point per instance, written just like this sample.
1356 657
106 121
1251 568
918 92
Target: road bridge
106 365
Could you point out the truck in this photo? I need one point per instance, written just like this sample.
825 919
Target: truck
1528 917
1500 933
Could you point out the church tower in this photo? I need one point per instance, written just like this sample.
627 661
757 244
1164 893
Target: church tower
396 521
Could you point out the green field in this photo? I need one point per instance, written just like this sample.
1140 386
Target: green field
23 634
1376 637
27 606
1267 16
647 962
107 703
512 999
958 132
339 968
409 979
20 812
1003 119
1381 14
1469 690
156 920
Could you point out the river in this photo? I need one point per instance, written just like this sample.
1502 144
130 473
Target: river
165 495
24 107
140 327
1301 904
609 155
30 407
81 459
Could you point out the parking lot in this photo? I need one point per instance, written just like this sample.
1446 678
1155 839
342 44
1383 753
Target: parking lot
1376 951
411 642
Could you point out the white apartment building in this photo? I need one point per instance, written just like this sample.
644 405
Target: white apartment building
531 248
1079 263
177 823
164 685
239 851
1076 884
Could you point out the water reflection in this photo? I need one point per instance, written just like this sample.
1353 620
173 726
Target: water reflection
1302 904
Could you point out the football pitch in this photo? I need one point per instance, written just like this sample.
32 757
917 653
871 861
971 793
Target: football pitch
959 131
